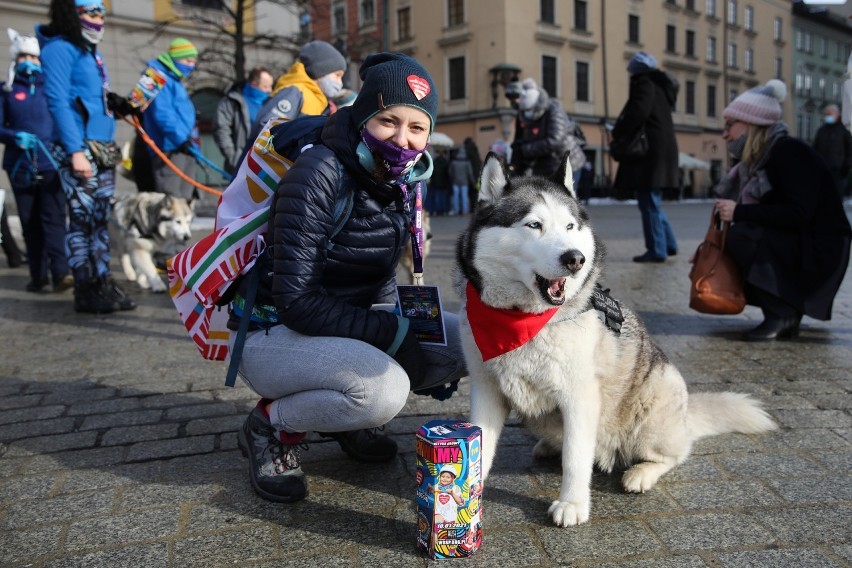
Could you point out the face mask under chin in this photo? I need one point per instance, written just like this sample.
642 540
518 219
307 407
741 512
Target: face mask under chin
736 147
329 86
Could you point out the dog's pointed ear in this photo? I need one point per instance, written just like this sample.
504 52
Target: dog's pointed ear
565 175
493 179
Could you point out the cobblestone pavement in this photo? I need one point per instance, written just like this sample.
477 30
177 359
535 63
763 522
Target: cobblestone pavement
118 446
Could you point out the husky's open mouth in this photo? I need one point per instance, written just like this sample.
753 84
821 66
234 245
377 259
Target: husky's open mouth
553 291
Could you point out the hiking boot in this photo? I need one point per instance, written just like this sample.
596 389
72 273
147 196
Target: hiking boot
89 298
274 466
62 283
112 290
365 445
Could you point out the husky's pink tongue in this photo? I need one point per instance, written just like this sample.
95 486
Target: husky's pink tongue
556 286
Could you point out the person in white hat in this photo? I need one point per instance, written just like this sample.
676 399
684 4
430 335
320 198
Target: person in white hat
790 236
25 129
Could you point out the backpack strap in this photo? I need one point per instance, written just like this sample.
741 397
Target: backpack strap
343 204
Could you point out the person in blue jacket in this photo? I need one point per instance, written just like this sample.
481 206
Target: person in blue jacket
25 130
170 120
80 103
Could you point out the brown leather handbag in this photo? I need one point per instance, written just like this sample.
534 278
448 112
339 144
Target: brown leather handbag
717 286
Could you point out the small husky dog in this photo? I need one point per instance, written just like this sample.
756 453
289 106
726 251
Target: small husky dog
541 338
149 222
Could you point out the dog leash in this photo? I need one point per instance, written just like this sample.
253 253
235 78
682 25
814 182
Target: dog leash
204 162
134 122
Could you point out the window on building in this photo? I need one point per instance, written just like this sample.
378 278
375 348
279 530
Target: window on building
690 5
711 100
779 67
732 94
671 39
368 12
823 46
458 89
403 23
338 16
548 12
749 59
732 55
807 42
749 18
455 13
581 81
580 22
672 2
732 12
778 30
209 4
821 87
799 41
689 104
633 28
711 49
548 75
835 90
799 83
809 84
690 43
711 8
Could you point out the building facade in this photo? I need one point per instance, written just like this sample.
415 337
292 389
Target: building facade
822 42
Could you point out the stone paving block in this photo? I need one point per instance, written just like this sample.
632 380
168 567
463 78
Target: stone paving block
24 546
228 424
78 480
813 418
147 495
768 465
58 442
726 443
721 494
131 434
75 459
170 448
79 395
663 562
709 531
807 525
21 430
786 401
838 461
28 487
844 552
122 529
31 413
170 400
57 509
230 515
129 418
811 438
155 555
200 411
693 469
10 466
322 560
805 386
189 467
510 548
783 557
832 401
598 540
107 406
814 489
258 543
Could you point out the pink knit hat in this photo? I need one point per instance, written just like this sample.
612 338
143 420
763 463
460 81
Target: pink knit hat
760 105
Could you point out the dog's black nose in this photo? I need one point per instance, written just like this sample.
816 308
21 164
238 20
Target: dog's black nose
573 260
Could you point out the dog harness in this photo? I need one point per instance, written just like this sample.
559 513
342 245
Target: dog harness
609 308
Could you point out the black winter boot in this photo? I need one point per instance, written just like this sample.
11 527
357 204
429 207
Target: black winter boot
89 298
275 467
112 290
364 445
774 327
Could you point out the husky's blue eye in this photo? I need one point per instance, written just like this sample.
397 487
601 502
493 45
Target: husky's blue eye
534 225
570 226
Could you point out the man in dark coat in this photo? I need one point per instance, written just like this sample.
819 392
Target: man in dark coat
542 132
649 105
834 143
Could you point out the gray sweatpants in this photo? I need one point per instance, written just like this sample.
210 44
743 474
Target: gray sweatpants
336 384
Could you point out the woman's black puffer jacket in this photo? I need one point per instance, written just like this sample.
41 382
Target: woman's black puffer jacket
322 291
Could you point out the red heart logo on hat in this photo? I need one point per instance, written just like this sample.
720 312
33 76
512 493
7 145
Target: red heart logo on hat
444 498
419 86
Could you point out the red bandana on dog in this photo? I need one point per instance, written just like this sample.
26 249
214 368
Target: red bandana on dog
497 331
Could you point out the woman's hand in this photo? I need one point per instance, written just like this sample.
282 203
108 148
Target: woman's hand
725 208
80 165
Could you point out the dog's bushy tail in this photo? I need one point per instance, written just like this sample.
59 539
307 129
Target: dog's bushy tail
711 413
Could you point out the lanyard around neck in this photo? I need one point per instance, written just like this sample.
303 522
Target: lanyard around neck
416 228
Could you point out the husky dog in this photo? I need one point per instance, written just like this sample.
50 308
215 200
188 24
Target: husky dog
149 222
540 338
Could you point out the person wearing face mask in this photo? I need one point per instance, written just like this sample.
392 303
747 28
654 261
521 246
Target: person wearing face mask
834 143
26 129
81 105
350 365
542 132
237 111
306 89
170 121
650 102
790 236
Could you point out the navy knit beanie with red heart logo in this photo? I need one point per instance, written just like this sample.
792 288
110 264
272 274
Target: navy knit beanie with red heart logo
394 79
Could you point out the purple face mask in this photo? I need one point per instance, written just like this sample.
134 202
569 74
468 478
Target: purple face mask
395 160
